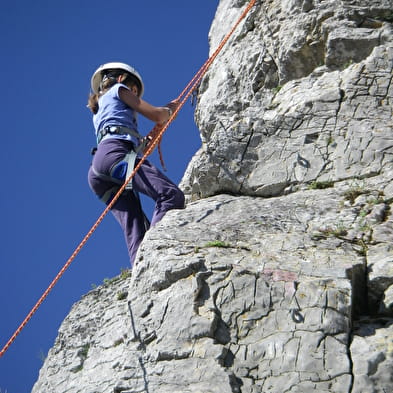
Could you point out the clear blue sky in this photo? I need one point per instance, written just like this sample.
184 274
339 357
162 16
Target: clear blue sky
49 50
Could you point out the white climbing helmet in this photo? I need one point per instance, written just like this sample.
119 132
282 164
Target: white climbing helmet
98 75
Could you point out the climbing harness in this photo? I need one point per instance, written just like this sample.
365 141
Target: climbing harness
120 171
117 174
158 132
118 130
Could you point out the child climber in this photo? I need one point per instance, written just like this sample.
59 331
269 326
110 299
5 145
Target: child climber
117 89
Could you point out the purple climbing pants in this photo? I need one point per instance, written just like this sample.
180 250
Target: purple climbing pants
127 209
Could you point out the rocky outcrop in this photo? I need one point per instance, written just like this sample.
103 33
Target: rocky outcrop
278 276
288 104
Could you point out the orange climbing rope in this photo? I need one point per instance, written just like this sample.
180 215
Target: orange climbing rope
156 133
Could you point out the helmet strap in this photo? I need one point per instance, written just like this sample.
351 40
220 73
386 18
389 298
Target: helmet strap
121 78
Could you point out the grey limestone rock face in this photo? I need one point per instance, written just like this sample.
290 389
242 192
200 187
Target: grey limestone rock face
243 294
278 275
276 113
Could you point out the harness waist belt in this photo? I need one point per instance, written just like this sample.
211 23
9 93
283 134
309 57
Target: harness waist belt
118 130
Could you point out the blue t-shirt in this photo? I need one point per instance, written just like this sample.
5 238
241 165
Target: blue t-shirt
112 111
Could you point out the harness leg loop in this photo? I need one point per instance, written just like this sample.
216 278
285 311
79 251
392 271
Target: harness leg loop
130 159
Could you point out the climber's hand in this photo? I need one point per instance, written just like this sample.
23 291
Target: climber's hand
172 106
